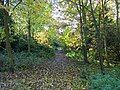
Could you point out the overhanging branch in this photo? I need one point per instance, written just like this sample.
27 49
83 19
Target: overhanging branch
17 4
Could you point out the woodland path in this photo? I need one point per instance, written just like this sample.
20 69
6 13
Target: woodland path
57 74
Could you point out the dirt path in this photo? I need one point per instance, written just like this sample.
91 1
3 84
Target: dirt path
57 74
60 56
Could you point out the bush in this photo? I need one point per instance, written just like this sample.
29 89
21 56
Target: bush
104 82
23 60
76 55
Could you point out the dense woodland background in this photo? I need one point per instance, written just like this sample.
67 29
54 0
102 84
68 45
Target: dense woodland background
85 32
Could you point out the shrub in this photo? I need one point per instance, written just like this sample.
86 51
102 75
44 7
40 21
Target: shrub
104 82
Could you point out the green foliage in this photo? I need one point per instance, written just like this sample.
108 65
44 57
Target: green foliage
113 42
23 60
53 37
70 39
74 55
104 82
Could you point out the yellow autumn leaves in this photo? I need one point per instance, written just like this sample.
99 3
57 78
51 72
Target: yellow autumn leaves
42 38
71 40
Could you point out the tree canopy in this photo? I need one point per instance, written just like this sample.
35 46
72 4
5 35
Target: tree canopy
79 39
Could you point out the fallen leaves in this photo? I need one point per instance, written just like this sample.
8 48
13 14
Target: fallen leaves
51 75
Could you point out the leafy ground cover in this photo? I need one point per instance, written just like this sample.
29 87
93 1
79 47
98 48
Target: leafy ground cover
61 74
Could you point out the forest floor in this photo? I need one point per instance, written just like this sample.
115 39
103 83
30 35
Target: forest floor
61 73
57 74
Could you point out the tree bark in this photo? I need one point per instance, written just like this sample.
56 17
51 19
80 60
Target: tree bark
83 34
6 30
98 42
104 33
117 16
8 46
117 26
29 33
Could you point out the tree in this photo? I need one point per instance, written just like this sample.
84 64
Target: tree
98 38
81 10
6 16
6 30
117 26
34 15
117 16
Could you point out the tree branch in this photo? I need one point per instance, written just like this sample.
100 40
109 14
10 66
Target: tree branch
17 4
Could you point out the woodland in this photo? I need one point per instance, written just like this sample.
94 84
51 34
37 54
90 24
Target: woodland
59 44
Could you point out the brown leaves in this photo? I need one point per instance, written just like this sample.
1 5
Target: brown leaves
51 75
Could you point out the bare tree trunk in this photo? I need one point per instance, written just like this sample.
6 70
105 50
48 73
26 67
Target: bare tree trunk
6 30
117 26
83 34
8 46
117 16
29 33
98 43
104 33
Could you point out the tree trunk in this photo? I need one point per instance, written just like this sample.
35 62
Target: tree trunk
84 49
104 34
98 42
29 33
117 26
8 46
117 16
85 33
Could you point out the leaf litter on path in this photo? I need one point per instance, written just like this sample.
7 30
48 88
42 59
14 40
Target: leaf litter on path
57 74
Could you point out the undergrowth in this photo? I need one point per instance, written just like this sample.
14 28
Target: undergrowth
24 60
